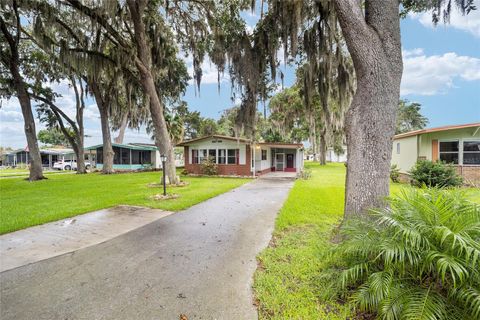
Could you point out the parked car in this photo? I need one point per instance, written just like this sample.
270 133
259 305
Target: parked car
69 165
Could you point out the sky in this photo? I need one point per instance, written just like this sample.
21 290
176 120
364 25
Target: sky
441 72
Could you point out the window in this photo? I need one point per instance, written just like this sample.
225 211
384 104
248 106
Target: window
222 156
232 156
125 156
202 154
194 156
471 152
212 153
264 154
449 151
398 147
117 153
100 155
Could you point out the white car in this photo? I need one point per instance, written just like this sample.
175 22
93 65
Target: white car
69 165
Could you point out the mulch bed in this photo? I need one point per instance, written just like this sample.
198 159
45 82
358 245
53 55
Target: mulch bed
167 197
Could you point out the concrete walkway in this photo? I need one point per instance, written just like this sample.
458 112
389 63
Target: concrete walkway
56 238
198 262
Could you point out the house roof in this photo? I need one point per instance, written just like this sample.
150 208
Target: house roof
281 144
132 146
214 136
437 129
54 151
243 140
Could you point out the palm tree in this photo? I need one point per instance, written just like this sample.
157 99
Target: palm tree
409 117
420 260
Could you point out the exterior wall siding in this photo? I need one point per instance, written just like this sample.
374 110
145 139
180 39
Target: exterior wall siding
428 149
223 169
407 155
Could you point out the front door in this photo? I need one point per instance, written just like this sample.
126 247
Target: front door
290 160
279 161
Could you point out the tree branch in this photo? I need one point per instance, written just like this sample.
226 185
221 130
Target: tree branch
100 19
55 109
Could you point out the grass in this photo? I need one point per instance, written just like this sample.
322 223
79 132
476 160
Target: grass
288 283
24 204
19 172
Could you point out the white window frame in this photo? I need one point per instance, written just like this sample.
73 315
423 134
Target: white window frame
459 141
469 140
201 155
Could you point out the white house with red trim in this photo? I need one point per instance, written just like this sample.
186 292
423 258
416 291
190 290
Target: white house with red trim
242 157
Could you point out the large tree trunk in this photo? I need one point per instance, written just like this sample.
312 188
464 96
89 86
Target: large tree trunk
143 63
80 106
121 131
373 41
108 153
36 171
323 148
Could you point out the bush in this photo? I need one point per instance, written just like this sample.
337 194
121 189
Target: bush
209 167
305 174
434 174
395 173
417 259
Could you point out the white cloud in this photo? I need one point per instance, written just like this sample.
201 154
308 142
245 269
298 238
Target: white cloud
430 75
469 23
209 73
11 119
91 112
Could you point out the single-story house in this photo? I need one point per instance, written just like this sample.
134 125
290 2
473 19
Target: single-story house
243 157
128 156
131 156
456 144
333 156
49 156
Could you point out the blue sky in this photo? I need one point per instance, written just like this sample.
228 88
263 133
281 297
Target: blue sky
441 71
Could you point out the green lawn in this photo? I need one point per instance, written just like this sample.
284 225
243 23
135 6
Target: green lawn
288 283
24 204
18 172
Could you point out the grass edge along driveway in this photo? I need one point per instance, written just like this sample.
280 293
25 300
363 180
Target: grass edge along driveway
288 283
24 204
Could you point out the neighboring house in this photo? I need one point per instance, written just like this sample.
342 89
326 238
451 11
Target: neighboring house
332 156
128 156
458 145
49 156
132 156
237 156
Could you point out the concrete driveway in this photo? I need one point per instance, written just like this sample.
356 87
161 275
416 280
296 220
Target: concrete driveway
198 262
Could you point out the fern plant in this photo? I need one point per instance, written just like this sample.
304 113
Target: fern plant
417 259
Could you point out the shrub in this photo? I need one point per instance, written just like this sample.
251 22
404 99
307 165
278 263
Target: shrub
305 174
209 167
417 259
395 173
434 174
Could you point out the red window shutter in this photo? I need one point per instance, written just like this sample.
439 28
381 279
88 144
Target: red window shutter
237 156
194 156
435 150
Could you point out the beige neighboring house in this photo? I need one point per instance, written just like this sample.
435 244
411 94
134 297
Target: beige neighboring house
457 144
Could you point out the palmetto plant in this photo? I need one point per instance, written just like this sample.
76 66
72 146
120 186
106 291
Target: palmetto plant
417 259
